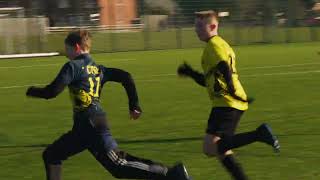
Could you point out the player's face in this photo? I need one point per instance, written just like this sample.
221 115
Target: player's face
201 27
71 52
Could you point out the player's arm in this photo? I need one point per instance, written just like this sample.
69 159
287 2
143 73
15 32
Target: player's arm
186 70
52 90
123 77
224 68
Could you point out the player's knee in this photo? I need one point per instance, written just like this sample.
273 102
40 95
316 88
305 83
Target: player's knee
49 158
223 145
209 151
46 155
210 146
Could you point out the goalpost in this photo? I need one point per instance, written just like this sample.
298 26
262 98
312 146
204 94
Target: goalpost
20 36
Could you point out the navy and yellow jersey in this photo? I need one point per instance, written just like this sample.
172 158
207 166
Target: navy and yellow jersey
85 80
218 50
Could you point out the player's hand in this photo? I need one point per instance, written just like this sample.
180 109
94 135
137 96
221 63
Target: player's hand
184 70
135 113
250 100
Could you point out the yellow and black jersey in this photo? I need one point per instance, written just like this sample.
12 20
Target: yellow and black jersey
215 51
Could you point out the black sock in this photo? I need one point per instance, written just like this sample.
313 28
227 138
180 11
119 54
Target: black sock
238 140
233 167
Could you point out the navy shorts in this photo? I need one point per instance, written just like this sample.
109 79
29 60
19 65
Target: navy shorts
90 132
223 121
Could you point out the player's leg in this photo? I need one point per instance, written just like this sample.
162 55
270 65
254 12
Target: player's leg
229 118
222 122
231 141
123 165
64 147
262 134
176 172
227 159
53 172
266 135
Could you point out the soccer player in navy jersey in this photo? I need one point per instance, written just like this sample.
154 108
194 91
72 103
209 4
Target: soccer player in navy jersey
90 130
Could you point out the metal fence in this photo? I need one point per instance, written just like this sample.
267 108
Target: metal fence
162 24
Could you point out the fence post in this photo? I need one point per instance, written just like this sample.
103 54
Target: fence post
146 34
292 17
113 40
268 20
313 33
237 21
179 37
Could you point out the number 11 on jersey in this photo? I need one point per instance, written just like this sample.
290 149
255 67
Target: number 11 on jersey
94 87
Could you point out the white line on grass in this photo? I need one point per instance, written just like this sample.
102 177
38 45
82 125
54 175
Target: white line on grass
159 80
60 64
31 66
246 75
116 60
252 75
261 67
32 55
159 75
21 86
124 60
281 74
279 66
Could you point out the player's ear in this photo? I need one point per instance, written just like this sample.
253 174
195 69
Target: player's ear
212 27
78 48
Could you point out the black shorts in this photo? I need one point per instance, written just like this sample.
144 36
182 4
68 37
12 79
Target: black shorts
223 121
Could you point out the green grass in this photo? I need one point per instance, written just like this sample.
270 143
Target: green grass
175 113
104 41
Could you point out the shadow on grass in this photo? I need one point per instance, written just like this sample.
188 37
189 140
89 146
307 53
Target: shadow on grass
22 149
153 140
120 141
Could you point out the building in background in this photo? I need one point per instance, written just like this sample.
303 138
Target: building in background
117 12
179 12
79 12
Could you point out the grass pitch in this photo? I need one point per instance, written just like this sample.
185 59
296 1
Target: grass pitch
283 78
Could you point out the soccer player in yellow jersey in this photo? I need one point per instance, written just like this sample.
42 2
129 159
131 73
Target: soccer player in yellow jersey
228 97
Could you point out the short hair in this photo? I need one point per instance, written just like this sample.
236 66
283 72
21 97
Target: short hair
207 14
80 37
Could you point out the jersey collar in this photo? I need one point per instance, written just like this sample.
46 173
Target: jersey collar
82 56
